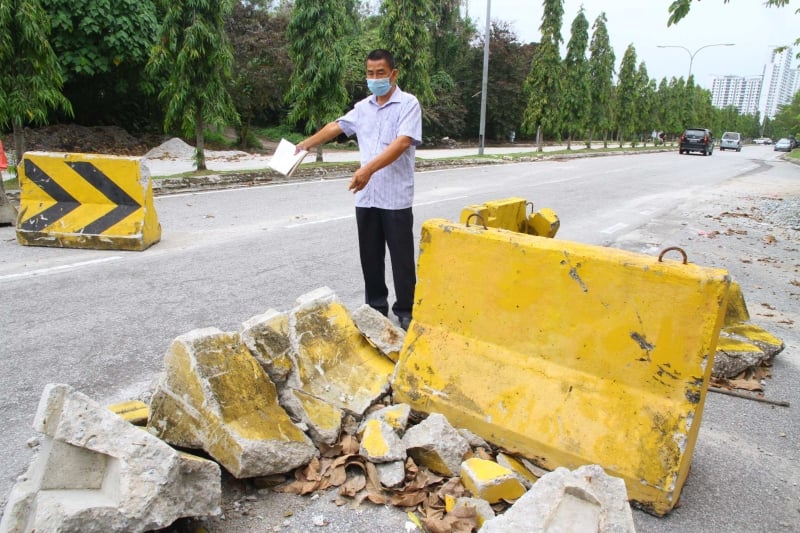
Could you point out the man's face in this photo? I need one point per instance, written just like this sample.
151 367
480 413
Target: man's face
380 69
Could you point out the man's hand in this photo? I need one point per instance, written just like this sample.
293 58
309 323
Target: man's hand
360 180
299 148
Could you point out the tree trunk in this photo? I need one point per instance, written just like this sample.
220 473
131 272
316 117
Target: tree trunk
539 139
569 141
200 150
19 139
589 142
605 138
319 148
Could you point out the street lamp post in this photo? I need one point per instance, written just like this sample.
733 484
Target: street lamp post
692 54
485 78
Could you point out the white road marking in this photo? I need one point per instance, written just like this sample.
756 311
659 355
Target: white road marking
60 268
615 228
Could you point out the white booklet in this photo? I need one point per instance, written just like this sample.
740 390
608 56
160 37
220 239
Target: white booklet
284 160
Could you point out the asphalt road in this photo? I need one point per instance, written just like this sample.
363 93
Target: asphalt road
101 320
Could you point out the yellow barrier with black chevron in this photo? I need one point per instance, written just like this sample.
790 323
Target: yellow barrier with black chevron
86 201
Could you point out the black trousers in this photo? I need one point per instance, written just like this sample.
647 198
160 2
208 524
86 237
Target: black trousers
379 229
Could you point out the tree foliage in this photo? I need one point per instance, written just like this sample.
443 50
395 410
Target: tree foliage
627 92
103 46
30 76
261 68
404 31
544 81
577 100
601 78
194 56
316 36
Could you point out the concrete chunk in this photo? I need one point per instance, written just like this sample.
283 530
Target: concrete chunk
380 444
526 477
481 507
391 474
490 481
380 331
323 420
586 499
436 445
394 415
216 396
95 472
333 360
267 338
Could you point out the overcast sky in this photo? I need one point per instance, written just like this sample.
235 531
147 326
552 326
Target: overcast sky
753 28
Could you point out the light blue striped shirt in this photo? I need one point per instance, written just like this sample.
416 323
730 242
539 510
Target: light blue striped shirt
375 127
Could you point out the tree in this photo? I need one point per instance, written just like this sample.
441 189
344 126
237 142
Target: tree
601 79
577 100
195 57
627 95
316 36
30 76
261 67
404 30
102 47
646 117
543 84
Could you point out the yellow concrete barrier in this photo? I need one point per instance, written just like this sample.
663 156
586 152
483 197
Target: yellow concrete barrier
86 201
511 214
565 353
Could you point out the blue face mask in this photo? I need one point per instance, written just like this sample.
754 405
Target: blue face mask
379 87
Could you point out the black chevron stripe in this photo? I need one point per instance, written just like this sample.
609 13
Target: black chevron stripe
65 203
125 204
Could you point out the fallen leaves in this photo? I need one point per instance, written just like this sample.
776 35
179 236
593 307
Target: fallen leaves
751 379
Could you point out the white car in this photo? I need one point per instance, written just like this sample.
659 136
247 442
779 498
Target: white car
762 140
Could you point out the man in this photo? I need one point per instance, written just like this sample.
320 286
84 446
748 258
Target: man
388 125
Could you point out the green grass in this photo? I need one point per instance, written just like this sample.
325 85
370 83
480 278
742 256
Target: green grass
11 185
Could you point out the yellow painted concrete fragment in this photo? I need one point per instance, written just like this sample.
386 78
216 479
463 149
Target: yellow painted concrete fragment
216 396
133 411
490 481
736 310
544 223
372 439
566 353
758 336
333 360
515 465
86 201
509 213
738 346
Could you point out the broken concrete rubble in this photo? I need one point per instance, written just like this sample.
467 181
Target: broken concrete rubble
437 445
586 499
380 331
380 443
95 472
333 361
216 396
489 481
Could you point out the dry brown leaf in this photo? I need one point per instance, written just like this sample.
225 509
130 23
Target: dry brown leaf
770 239
482 453
746 384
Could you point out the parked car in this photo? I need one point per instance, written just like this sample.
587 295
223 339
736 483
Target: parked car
697 140
731 140
762 140
783 145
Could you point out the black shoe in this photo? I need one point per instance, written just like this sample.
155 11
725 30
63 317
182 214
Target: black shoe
405 321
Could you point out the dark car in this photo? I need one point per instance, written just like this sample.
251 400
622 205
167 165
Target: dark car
697 140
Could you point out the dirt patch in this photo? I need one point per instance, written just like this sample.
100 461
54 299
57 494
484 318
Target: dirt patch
89 139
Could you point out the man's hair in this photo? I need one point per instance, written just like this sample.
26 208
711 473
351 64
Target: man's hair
381 54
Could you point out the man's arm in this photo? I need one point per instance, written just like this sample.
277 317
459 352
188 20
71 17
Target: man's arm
387 157
330 131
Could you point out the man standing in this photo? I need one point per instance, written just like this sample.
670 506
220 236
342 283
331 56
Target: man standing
388 126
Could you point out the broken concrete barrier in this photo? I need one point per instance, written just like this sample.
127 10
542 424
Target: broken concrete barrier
333 361
586 499
215 396
379 331
96 472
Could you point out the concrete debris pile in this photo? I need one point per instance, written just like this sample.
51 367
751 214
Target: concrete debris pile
304 397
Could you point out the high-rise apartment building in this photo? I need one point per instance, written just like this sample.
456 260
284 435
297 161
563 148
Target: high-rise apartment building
741 92
779 82
775 87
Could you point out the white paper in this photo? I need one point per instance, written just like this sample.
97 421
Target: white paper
284 160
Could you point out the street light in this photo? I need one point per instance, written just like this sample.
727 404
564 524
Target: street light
692 54
485 78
